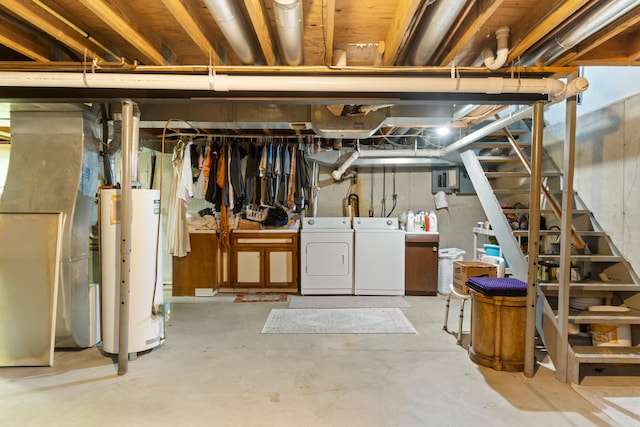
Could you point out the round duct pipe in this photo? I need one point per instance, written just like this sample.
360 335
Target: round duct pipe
290 33
229 19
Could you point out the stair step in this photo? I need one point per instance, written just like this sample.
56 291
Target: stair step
542 211
522 174
579 258
631 317
498 159
592 286
591 354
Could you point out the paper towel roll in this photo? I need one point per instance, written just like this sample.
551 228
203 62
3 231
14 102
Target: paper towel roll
441 200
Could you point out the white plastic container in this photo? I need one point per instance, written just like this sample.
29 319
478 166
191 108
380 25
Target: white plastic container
610 335
411 221
433 222
446 258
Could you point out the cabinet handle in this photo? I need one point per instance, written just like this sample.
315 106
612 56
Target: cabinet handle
434 249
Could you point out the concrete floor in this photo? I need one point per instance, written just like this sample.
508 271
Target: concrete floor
216 369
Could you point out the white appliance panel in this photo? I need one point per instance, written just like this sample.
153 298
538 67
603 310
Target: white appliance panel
379 262
326 261
328 258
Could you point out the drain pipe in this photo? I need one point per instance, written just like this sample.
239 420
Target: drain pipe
276 83
125 236
494 63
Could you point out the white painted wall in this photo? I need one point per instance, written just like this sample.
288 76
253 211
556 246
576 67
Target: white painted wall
607 169
413 186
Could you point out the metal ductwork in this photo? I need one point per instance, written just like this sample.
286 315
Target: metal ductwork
597 18
290 30
433 30
324 123
232 24
54 168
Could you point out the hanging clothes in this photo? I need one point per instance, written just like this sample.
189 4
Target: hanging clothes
250 174
292 178
221 179
181 192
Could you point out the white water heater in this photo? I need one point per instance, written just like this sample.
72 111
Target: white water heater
146 329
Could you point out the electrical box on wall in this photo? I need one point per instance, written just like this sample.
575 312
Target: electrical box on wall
451 179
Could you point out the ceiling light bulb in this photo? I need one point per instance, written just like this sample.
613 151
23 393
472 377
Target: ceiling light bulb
443 131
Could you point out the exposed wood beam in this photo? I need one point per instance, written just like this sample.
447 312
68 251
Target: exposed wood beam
399 28
189 17
260 22
116 16
599 39
379 58
329 28
526 35
17 39
634 46
482 11
48 24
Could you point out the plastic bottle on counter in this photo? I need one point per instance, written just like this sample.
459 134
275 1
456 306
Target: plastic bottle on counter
433 222
425 221
402 222
411 221
419 221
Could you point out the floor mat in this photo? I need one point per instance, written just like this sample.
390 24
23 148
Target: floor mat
622 404
338 321
260 297
347 301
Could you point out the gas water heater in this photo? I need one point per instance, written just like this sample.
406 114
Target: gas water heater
146 308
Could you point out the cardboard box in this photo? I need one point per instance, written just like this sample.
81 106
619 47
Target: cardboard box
462 270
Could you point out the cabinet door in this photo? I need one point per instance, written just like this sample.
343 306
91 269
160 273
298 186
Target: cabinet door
280 269
199 268
421 268
249 268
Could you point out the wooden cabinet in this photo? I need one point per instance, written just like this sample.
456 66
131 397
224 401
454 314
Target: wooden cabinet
421 263
264 261
199 269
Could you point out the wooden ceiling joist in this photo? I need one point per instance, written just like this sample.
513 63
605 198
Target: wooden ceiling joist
190 20
17 39
400 26
48 24
528 33
117 17
260 22
329 26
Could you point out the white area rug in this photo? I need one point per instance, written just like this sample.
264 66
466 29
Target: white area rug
338 321
622 404
347 301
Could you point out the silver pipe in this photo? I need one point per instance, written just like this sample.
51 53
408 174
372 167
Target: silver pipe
597 18
125 236
433 30
290 30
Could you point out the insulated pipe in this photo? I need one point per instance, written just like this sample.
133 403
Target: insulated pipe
494 63
275 83
290 30
229 19
600 16
433 30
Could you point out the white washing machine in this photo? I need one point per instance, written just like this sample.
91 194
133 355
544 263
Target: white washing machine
378 256
326 256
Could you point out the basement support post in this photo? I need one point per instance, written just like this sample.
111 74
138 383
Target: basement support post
534 237
125 235
564 277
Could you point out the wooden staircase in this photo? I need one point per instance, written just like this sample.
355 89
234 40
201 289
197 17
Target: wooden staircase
600 275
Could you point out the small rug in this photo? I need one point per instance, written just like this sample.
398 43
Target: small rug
347 301
622 404
338 321
260 297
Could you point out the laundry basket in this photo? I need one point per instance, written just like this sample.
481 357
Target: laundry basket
446 258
